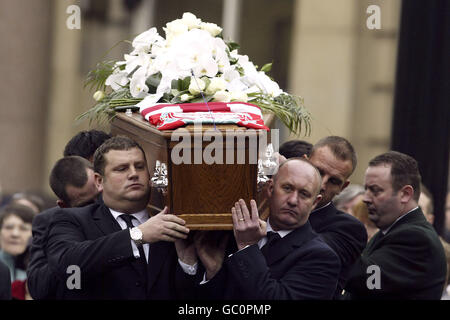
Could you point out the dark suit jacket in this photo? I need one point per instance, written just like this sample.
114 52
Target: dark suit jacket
42 283
411 260
5 282
299 266
345 234
91 239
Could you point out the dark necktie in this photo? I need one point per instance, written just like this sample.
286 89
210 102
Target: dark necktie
272 238
127 218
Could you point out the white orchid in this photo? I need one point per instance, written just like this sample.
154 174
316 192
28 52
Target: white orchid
138 88
117 80
144 41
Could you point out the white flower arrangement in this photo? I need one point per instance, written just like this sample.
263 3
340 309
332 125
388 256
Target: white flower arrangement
191 64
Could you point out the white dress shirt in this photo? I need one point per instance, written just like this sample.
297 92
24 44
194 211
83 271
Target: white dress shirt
141 217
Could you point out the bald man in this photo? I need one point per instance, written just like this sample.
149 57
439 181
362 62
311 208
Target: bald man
283 259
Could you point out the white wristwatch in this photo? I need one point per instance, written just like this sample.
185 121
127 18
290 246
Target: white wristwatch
136 236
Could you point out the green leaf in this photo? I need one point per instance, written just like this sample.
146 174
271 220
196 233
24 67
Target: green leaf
185 84
206 98
232 45
153 81
267 67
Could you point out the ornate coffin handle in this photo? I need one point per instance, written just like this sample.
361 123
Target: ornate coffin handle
266 166
159 179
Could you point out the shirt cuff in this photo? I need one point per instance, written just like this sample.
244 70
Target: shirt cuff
187 268
135 248
204 279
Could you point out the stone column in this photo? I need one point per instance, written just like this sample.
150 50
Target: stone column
24 61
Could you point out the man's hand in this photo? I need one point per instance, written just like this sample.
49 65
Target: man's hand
186 250
248 228
210 248
163 227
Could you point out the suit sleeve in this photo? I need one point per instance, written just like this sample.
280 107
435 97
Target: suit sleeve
5 282
348 239
67 246
312 275
41 282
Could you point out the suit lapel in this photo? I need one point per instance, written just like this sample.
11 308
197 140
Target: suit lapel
104 220
107 224
291 241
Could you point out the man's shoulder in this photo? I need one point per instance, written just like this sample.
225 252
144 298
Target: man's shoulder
81 213
45 216
329 216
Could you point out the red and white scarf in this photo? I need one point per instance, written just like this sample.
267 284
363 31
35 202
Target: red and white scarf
171 116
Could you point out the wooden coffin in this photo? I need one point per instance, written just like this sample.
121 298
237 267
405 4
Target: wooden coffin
199 192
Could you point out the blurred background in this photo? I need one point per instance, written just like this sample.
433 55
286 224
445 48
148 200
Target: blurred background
381 89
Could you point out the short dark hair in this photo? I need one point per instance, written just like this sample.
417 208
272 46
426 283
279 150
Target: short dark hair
69 170
114 143
340 147
295 149
85 143
26 214
404 170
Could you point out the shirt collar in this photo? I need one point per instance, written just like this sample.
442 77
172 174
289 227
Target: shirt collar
403 215
282 233
317 209
142 215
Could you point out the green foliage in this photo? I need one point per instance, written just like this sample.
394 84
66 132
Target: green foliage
96 78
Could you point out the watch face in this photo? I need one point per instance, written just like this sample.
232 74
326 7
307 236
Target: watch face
136 234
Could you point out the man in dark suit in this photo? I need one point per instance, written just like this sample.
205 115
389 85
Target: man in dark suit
405 259
72 181
335 158
290 261
112 249
5 282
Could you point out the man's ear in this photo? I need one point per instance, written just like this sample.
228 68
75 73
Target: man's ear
306 156
345 185
406 193
60 203
270 188
98 181
318 198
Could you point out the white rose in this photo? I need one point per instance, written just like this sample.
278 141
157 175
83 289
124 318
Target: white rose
174 29
185 97
222 96
216 84
99 95
191 21
212 28
196 86
239 96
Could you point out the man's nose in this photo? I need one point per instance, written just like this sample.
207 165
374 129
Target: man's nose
293 199
133 172
366 198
